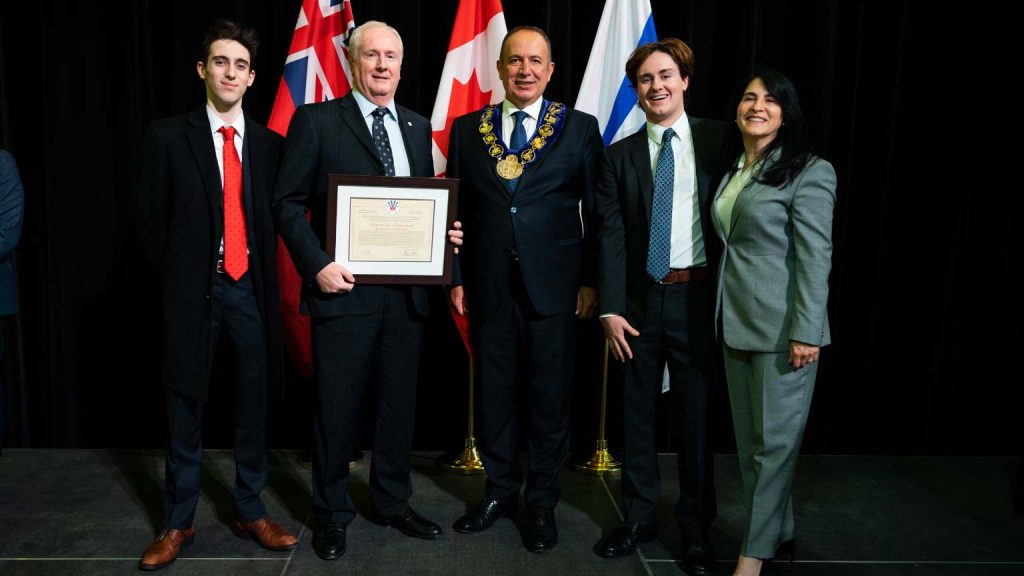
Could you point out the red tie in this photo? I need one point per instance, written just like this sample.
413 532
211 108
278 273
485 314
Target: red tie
236 256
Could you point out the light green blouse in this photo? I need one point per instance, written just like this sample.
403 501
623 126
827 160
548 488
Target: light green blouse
736 184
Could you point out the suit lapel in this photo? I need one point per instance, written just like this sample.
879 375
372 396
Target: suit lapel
351 115
200 140
255 149
640 157
700 147
490 164
714 213
749 192
745 196
410 151
532 167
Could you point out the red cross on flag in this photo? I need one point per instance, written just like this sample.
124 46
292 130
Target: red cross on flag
316 70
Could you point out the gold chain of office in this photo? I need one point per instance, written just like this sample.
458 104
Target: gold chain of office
510 164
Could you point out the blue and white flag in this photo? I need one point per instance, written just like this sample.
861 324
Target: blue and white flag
606 92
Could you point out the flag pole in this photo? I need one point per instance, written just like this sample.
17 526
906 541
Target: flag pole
468 83
468 461
601 461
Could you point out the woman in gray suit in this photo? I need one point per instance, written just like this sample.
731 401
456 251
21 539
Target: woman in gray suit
774 216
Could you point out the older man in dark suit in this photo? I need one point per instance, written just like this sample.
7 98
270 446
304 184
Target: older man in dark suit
658 250
361 333
202 201
525 166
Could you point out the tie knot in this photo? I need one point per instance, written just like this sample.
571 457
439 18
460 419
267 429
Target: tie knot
666 137
519 116
380 112
228 132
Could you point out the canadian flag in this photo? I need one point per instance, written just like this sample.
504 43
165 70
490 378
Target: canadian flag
469 80
316 70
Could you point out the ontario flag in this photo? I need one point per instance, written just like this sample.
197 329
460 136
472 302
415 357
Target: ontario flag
469 81
315 70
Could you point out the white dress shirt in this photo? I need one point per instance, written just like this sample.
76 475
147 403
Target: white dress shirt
391 126
687 235
508 123
216 123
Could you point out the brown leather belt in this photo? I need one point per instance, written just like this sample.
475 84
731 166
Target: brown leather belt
685 275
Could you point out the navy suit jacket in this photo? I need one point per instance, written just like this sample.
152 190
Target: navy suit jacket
540 220
12 208
332 138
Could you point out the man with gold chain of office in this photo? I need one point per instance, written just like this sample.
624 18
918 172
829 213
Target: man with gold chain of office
526 274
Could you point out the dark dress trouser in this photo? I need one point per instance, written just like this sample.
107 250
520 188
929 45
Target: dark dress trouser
677 330
549 345
381 348
235 315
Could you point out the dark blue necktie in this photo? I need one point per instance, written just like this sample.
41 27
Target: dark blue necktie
518 139
382 142
659 251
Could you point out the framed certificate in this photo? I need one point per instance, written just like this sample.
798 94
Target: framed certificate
392 230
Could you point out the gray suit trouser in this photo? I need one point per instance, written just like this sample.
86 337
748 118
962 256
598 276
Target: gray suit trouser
770 401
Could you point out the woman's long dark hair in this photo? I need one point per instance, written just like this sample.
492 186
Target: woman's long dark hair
794 150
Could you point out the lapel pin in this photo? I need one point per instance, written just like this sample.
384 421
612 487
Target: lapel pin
409 123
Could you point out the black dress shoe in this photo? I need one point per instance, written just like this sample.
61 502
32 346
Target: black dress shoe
411 524
541 533
625 539
784 553
329 541
485 513
698 559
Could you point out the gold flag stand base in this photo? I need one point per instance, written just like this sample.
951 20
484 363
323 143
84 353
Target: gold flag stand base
467 462
601 462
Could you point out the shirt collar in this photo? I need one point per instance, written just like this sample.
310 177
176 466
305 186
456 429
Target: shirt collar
533 110
366 107
216 123
681 126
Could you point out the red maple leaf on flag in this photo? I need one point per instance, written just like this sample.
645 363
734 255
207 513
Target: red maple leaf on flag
464 97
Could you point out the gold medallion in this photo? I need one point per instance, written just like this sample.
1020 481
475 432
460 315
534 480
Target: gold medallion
486 127
546 130
509 167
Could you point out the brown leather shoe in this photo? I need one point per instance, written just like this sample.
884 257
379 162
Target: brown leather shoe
164 549
268 534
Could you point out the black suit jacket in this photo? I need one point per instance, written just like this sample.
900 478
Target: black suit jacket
332 138
540 220
624 194
179 207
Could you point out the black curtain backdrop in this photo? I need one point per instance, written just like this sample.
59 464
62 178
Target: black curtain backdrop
924 321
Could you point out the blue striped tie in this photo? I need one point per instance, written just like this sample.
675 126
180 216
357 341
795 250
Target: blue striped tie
518 139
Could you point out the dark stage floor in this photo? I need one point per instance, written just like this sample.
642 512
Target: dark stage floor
94 511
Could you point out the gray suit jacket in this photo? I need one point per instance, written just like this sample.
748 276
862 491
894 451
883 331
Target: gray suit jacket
773 275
